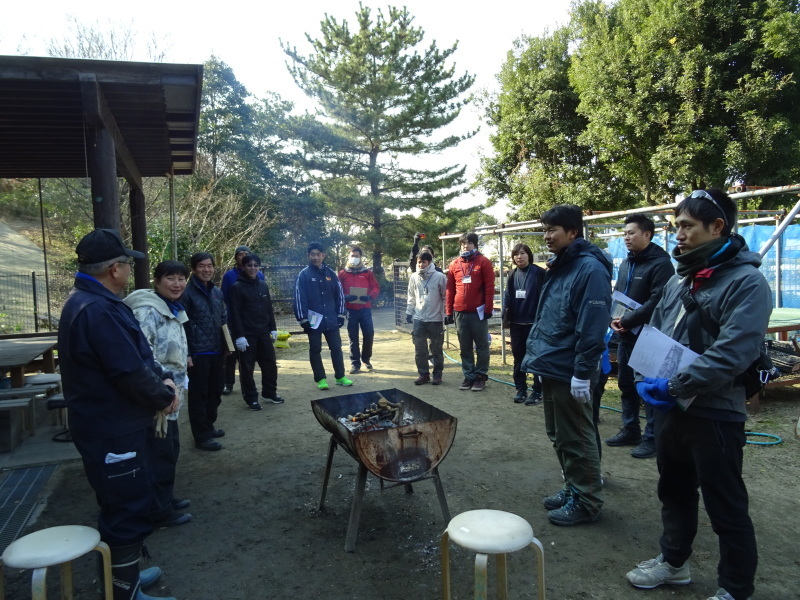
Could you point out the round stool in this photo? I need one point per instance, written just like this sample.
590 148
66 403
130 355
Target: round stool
489 532
56 546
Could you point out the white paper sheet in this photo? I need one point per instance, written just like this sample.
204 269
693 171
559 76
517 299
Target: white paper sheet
314 319
621 304
481 311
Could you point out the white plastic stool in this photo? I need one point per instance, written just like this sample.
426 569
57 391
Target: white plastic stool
489 532
56 546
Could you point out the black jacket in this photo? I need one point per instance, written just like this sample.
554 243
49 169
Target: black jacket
250 310
644 276
523 310
205 308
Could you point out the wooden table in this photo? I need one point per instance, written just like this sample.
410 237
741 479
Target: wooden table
17 353
784 320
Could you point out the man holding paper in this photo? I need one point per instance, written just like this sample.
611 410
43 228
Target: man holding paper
719 305
564 349
469 302
319 308
360 289
641 278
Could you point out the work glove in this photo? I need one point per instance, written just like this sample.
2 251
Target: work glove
341 321
305 325
162 424
241 344
351 298
449 320
409 318
655 391
580 390
273 335
364 298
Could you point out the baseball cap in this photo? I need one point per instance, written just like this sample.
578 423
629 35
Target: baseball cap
241 249
101 245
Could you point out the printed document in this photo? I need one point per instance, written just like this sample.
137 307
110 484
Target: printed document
481 310
621 304
314 319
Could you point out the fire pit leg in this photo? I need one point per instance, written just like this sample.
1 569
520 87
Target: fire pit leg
355 511
331 450
440 493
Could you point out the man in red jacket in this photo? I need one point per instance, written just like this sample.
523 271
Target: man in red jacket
360 289
469 304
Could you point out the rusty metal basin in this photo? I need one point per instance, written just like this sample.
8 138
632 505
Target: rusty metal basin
399 454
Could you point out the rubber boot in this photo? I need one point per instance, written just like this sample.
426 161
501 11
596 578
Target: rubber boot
125 571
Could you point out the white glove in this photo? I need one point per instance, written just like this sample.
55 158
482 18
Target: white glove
241 344
579 388
274 335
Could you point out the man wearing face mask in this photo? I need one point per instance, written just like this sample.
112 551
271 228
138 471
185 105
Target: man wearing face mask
360 289
469 304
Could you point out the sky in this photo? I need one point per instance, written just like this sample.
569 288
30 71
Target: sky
246 35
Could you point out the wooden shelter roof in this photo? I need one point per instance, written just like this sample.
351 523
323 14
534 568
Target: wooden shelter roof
151 109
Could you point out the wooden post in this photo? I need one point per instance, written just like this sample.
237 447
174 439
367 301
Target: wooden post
103 170
141 276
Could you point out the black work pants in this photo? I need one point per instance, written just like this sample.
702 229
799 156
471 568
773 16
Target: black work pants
334 341
230 368
694 452
259 350
165 462
362 319
519 339
205 394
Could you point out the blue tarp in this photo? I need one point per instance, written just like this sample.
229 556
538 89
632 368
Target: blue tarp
755 236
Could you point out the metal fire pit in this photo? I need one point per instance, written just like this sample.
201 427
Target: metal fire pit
400 454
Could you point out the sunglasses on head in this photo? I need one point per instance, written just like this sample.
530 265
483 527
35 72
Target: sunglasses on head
706 196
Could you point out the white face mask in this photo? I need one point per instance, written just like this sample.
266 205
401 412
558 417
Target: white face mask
354 261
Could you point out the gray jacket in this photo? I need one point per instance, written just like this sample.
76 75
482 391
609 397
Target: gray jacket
568 336
738 300
426 295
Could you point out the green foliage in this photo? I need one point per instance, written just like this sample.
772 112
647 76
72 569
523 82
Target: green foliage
379 99
650 98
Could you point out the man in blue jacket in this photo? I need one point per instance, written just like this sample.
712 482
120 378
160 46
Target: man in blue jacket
719 305
564 348
320 308
114 388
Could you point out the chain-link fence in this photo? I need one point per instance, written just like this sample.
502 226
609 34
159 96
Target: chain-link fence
24 306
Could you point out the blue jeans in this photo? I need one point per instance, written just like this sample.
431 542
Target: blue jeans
631 402
355 319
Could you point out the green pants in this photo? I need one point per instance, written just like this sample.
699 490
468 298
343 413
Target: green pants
570 427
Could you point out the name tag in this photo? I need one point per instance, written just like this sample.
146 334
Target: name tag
467 279
521 294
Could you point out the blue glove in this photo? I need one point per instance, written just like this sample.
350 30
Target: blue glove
655 391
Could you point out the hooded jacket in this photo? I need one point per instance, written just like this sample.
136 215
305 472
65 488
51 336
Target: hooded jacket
112 384
360 277
250 309
467 297
165 334
738 301
642 277
568 336
426 295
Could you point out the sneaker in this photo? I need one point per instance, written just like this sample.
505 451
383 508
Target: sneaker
181 503
254 405
218 433
479 383
534 398
368 365
556 500
572 513
227 389
173 520
425 378
466 384
273 399
343 381
647 449
322 384
723 595
437 380
355 370
656 571
521 396
211 445
624 437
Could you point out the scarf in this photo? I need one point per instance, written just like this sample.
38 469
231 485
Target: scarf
708 256
174 307
427 271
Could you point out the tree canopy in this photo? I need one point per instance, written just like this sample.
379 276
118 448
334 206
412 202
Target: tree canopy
379 101
647 99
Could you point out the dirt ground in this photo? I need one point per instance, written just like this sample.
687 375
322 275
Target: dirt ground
258 533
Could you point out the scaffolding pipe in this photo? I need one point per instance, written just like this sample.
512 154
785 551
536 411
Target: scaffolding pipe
502 304
780 229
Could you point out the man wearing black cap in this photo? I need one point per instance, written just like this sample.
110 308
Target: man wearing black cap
114 389
232 276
